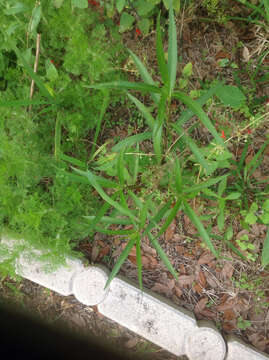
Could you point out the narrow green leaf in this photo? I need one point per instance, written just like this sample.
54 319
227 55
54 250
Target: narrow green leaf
233 196
197 110
265 250
172 51
35 19
110 220
105 197
144 213
136 199
33 75
57 137
126 85
157 142
222 186
203 185
145 75
139 261
99 179
131 140
73 161
156 219
122 258
144 111
163 256
187 114
178 177
160 54
136 165
120 167
200 227
100 119
170 217
193 147
113 232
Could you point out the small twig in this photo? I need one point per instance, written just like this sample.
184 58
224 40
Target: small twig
35 67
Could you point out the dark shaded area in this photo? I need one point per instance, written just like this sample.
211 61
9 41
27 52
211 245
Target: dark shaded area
22 335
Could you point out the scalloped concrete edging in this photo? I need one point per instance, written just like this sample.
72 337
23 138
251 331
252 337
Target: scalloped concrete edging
149 315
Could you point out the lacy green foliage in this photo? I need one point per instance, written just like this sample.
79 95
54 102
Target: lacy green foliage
215 9
38 201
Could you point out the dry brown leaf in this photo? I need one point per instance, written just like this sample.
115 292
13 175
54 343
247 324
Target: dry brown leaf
180 249
202 278
145 262
103 252
229 325
153 262
182 269
148 250
95 252
198 288
229 304
200 305
178 291
208 313
171 284
227 271
211 280
185 280
245 54
170 231
132 259
229 315
161 289
205 258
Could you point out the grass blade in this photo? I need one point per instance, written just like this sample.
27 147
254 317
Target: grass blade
170 217
131 140
200 227
139 261
105 197
197 110
194 148
204 184
160 54
155 220
144 111
101 181
187 114
110 220
121 259
145 75
114 232
99 121
57 137
265 250
172 50
126 85
163 256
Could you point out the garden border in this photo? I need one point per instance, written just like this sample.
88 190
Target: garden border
145 313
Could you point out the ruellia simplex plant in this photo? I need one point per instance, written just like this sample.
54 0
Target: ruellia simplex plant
148 215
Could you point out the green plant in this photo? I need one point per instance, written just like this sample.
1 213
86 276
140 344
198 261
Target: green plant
221 200
143 213
243 324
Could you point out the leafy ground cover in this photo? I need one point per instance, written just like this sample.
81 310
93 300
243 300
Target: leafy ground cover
157 155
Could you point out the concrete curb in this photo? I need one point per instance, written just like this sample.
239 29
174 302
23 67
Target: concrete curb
147 314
